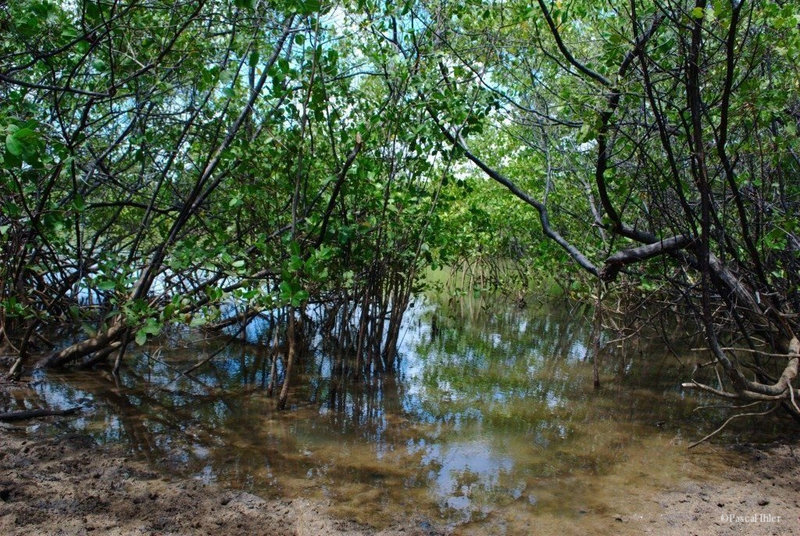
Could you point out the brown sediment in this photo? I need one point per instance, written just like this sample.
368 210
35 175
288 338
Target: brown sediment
758 497
70 485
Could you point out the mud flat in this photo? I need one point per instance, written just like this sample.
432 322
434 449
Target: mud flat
760 497
67 484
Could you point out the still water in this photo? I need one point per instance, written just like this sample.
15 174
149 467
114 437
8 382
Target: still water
490 425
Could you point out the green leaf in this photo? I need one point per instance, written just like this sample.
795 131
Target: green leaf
309 7
299 297
151 327
14 144
78 204
295 263
214 293
69 33
285 289
141 337
106 284
22 143
697 13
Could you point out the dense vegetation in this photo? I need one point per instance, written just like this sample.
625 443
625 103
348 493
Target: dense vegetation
172 162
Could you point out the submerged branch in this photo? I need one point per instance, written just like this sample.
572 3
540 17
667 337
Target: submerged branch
731 418
36 414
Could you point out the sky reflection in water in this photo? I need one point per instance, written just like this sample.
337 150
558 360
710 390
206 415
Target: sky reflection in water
490 412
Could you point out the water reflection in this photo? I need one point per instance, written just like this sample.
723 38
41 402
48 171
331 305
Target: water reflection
490 416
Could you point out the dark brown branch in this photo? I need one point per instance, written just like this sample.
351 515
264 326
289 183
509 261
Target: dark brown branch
31 85
86 347
544 219
36 413
617 261
567 54
335 193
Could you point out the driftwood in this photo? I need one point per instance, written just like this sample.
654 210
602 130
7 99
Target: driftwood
36 413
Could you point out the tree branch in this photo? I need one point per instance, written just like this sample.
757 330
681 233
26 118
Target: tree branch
551 233
617 261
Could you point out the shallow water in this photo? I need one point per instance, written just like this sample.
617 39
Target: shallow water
490 425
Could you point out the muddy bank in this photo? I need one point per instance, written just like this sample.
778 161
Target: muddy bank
69 485
759 497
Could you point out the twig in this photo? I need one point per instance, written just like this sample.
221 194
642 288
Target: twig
32 85
718 430
704 387
791 397
719 379
698 408
749 350
754 351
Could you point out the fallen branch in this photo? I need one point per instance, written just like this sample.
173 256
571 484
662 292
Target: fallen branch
37 413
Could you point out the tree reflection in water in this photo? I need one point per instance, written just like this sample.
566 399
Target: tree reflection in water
490 410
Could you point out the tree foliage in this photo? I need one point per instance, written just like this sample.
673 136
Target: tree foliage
165 159
664 115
